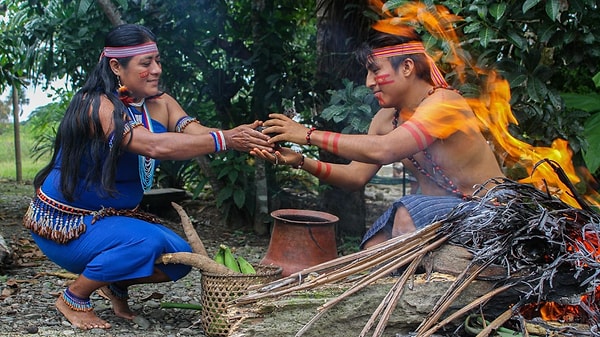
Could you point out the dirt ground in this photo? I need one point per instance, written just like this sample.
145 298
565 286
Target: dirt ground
30 283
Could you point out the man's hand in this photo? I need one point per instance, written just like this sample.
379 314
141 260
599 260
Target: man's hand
283 128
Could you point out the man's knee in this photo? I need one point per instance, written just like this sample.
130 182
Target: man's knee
378 238
403 222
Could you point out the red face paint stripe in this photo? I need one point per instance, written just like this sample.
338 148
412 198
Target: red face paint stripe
144 74
382 79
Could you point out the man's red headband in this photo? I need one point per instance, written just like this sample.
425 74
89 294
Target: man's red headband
119 52
408 49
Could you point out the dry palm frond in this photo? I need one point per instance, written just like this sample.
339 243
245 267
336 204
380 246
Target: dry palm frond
534 237
389 302
384 255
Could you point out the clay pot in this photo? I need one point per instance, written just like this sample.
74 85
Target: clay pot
301 239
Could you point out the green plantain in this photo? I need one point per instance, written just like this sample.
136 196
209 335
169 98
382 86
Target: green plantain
220 256
230 261
245 266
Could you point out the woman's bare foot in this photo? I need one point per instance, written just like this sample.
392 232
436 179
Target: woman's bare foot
84 320
119 305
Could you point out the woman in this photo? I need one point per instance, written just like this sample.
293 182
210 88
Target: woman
84 216
423 123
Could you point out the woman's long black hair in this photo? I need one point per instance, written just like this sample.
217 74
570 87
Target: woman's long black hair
80 137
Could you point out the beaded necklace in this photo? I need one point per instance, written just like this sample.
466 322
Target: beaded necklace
146 164
445 182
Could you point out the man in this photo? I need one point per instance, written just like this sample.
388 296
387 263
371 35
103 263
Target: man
425 124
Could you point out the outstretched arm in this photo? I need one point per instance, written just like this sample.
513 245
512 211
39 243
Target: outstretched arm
352 176
374 149
438 117
197 140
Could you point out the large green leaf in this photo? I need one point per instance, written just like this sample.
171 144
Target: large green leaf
516 39
592 135
529 4
596 80
497 10
585 102
485 35
536 89
553 9
472 27
84 7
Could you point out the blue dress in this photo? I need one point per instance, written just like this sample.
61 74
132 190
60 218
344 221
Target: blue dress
82 238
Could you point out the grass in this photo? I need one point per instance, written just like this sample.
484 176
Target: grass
29 166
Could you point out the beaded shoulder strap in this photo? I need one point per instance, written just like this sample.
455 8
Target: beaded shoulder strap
146 165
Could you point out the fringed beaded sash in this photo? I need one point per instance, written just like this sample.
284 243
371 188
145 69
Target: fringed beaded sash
62 223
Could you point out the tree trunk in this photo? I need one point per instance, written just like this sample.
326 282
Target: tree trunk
339 30
112 13
17 133
261 209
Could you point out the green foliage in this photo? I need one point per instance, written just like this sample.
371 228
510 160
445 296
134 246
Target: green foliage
592 135
231 62
29 165
353 107
349 245
44 122
12 50
227 62
5 112
181 174
547 50
233 168
590 103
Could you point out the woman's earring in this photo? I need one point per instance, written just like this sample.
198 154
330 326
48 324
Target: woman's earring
123 92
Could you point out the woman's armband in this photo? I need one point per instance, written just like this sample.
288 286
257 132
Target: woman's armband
183 123
130 125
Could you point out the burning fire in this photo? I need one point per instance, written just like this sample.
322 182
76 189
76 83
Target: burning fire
492 108
494 115
565 313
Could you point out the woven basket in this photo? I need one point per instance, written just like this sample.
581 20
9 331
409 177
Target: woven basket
219 289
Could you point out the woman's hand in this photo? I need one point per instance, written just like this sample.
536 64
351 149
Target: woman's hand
245 138
282 128
282 156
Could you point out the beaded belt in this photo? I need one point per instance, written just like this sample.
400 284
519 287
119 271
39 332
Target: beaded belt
62 223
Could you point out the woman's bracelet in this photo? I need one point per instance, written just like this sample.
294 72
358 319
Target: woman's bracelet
219 139
308 135
301 163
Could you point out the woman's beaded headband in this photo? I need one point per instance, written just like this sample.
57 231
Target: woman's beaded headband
408 49
119 52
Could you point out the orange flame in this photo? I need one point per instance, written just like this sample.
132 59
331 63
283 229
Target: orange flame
492 108
567 313
551 311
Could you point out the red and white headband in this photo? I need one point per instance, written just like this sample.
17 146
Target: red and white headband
129 51
408 49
